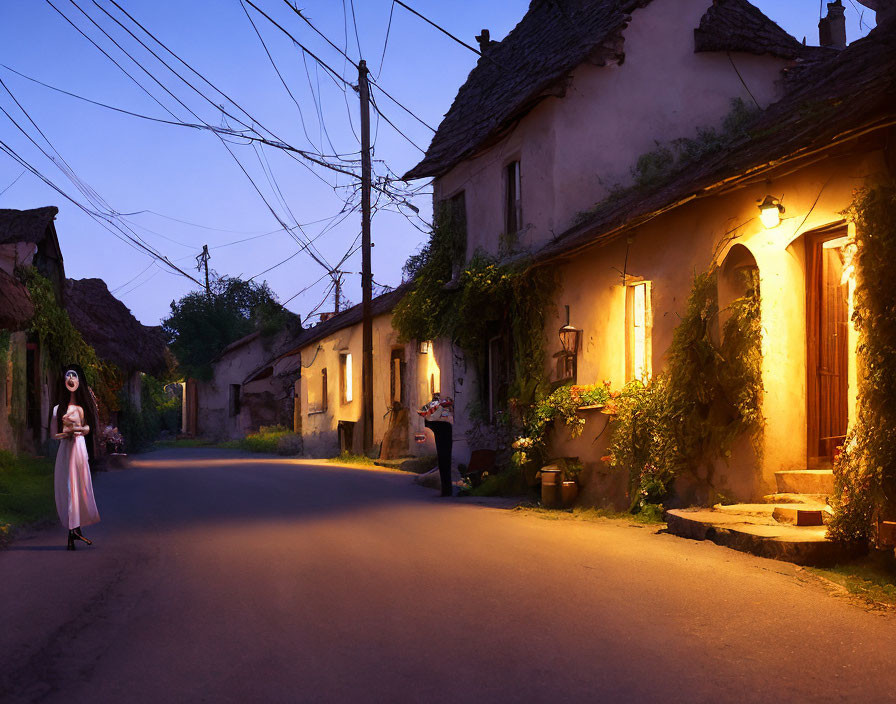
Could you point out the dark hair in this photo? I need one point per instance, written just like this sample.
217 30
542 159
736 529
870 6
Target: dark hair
83 398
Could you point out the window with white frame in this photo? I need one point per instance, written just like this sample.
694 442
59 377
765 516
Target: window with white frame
345 369
638 319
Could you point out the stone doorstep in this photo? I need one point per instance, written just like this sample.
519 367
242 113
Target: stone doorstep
763 537
803 514
805 481
790 498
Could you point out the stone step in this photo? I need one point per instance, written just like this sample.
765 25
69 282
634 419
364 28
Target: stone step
805 481
803 514
798 516
802 545
795 499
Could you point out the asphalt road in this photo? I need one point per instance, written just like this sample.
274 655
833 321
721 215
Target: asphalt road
219 577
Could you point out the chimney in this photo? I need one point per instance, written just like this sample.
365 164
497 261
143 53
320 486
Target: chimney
484 40
832 29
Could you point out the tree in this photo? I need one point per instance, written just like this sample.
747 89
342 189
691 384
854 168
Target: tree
202 324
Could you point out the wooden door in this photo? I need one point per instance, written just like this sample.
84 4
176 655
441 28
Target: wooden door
827 308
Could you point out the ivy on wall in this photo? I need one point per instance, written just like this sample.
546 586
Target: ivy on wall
865 472
709 394
468 308
63 344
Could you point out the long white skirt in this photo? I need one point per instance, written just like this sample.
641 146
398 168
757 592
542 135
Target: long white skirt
74 489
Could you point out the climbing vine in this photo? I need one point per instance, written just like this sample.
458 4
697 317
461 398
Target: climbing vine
865 472
710 394
469 305
63 344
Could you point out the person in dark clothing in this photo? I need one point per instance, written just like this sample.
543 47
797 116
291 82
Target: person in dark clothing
438 416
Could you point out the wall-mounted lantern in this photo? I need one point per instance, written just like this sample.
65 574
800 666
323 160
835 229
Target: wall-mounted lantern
570 338
770 211
424 346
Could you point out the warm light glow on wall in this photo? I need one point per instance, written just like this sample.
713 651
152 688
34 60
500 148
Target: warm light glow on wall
347 377
638 334
770 210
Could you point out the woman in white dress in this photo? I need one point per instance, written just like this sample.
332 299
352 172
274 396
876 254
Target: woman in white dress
73 420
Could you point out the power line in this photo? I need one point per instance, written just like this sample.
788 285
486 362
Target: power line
92 196
336 75
96 216
317 258
438 27
386 42
13 182
394 127
134 278
277 70
355 23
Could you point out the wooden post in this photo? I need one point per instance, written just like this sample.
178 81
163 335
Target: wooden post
366 270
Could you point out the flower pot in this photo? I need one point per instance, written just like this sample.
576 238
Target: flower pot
568 492
551 480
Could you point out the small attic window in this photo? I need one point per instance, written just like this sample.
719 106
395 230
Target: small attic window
513 209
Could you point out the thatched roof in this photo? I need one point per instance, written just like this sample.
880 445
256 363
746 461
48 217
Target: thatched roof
736 25
26 225
109 327
828 102
515 74
16 308
535 60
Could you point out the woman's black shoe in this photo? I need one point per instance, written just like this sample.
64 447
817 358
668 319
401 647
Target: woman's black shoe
71 540
80 536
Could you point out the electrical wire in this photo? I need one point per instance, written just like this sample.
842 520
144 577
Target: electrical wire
386 42
24 171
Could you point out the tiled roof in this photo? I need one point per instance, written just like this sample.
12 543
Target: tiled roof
352 316
736 25
847 94
553 38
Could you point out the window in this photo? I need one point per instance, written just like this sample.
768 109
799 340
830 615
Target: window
396 380
345 370
234 401
513 208
317 392
638 332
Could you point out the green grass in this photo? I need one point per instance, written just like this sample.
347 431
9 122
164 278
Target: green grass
591 514
511 483
26 490
271 439
349 458
871 578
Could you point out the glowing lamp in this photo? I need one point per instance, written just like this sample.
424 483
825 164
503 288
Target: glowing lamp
424 346
569 338
770 210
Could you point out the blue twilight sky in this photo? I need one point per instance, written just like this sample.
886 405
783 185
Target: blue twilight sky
185 186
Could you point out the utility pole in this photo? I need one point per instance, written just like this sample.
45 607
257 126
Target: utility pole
366 269
337 292
201 260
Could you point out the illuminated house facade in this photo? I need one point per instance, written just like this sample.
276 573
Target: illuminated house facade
566 159
328 400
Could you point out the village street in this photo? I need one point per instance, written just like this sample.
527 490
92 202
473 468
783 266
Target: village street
221 577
